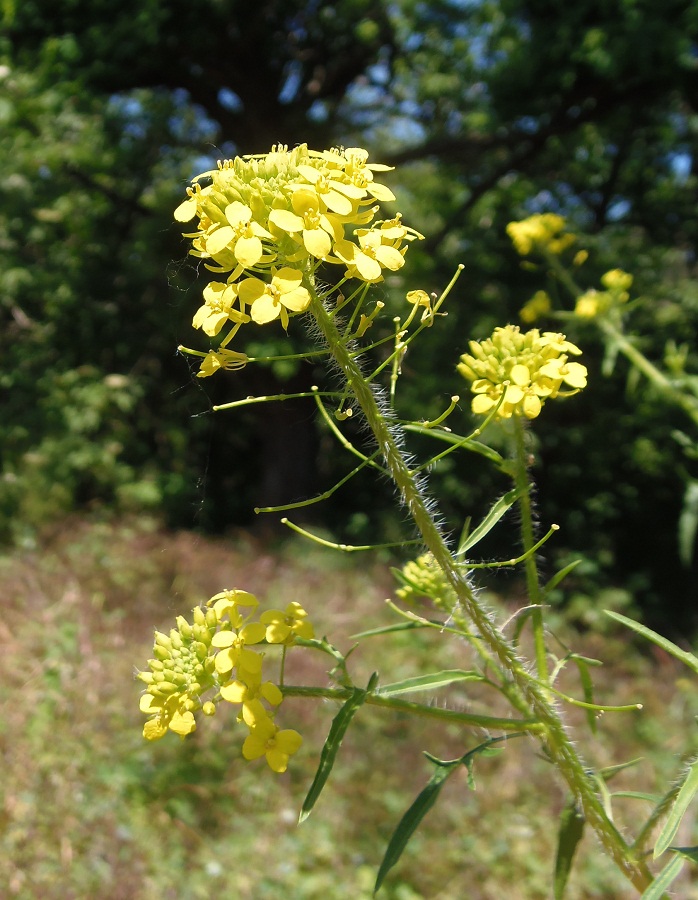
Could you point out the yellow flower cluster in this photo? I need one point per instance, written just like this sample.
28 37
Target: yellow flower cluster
542 231
535 308
266 222
213 655
516 372
594 303
422 577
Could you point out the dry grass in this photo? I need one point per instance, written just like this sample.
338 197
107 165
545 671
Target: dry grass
90 811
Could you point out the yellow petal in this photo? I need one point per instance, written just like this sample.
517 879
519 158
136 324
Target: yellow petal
531 406
520 375
265 310
286 220
317 242
186 210
248 251
219 239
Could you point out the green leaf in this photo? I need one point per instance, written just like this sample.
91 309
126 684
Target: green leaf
569 836
429 682
466 443
687 658
559 576
493 516
687 852
427 798
338 729
410 821
670 871
678 810
388 629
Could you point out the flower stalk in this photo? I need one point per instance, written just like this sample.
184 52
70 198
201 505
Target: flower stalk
558 745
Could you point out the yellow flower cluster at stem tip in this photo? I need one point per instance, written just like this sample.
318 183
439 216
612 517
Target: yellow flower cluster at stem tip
265 223
218 657
535 308
541 231
516 372
593 303
422 577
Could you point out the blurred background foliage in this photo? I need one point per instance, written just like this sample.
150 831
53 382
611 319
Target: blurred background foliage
490 111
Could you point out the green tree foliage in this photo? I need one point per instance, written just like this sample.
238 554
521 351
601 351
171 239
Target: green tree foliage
493 110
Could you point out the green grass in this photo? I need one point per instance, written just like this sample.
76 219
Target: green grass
90 810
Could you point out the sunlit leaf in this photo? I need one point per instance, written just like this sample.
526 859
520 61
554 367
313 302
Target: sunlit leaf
559 576
429 682
493 516
688 658
670 871
678 810
338 729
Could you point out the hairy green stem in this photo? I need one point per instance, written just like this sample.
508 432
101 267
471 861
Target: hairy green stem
558 745
419 709
523 485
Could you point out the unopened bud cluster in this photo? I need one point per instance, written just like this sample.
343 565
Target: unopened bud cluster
212 659
513 373
422 577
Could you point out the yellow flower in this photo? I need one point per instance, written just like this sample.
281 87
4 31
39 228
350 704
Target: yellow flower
336 194
284 625
517 372
589 304
233 649
218 308
540 231
270 301
618 284
369 259
318 229
266 739
241 236
221 359
537 306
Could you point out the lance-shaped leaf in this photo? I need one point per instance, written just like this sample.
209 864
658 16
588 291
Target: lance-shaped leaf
493 516
559 576
569 836
409 823
338 729
429 682
678 810
668 874
687 658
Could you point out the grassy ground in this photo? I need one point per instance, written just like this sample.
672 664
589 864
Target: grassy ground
89 810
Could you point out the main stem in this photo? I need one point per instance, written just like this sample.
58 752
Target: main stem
523 486
558 746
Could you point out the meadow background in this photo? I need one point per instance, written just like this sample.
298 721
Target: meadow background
124 501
